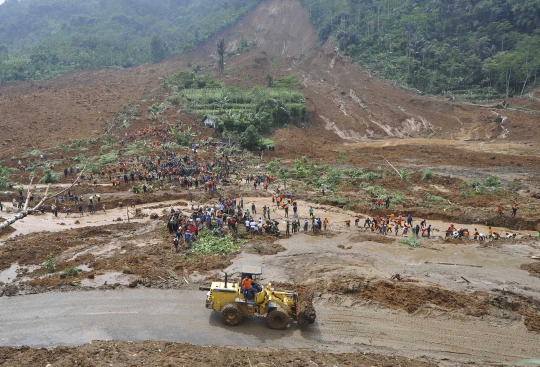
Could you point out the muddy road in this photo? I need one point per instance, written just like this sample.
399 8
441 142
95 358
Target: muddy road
75 318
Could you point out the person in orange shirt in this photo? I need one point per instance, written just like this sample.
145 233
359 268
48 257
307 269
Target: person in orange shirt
391 217
325 223
490 232
246 284
500 209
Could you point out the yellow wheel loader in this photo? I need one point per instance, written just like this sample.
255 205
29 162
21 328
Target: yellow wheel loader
233 302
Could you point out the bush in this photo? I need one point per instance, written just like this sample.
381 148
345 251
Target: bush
492 181
396 198
49 177
411 241
274 165
435 198
70 272
370 176
4 176
405 173
334 176
50 263
209 244
427 175
108 158
355 173
32 153
375 191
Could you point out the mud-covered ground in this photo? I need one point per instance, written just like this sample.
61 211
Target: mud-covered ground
156 353
432 292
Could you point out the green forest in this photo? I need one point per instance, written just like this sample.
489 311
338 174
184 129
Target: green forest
478 49
475 48
41 39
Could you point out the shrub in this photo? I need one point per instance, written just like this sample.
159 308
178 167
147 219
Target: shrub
108 158
4 175
334 176
70 272
492 181
434 198
355 173
375 191
109 140
370 176
32 153
274 165
50 263
209 244
405 173
126 270
396 198
411 241
427 175
49 177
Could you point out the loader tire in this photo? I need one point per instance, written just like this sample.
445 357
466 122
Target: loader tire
277 319
231 314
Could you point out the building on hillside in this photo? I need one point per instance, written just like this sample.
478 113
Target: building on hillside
208 121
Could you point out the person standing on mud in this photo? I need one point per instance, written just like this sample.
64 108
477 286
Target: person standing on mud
514 210
288 230
287 211
387 202
428 231
1 207
325 223
500 208
253 210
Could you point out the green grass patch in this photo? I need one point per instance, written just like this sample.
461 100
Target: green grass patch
209 244
410 241
435 198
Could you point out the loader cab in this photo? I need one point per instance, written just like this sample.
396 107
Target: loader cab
254 271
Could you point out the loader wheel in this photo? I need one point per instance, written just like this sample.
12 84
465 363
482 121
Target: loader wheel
277 319
231 314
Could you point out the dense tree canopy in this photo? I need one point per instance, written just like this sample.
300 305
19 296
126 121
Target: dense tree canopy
43 38
477 47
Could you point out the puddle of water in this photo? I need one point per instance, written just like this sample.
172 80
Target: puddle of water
84 267
110 278
8 275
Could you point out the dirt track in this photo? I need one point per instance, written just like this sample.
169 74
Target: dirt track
342 326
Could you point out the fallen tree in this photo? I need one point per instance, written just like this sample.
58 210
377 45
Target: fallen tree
25 210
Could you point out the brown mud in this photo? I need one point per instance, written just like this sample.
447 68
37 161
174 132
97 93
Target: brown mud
156 353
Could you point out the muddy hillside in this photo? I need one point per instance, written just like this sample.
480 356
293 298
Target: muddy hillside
404 228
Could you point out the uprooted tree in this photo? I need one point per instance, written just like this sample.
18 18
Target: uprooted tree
25 210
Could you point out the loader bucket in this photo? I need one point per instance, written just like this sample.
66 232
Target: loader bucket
305 312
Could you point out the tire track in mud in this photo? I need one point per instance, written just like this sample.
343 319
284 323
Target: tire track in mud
440 337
